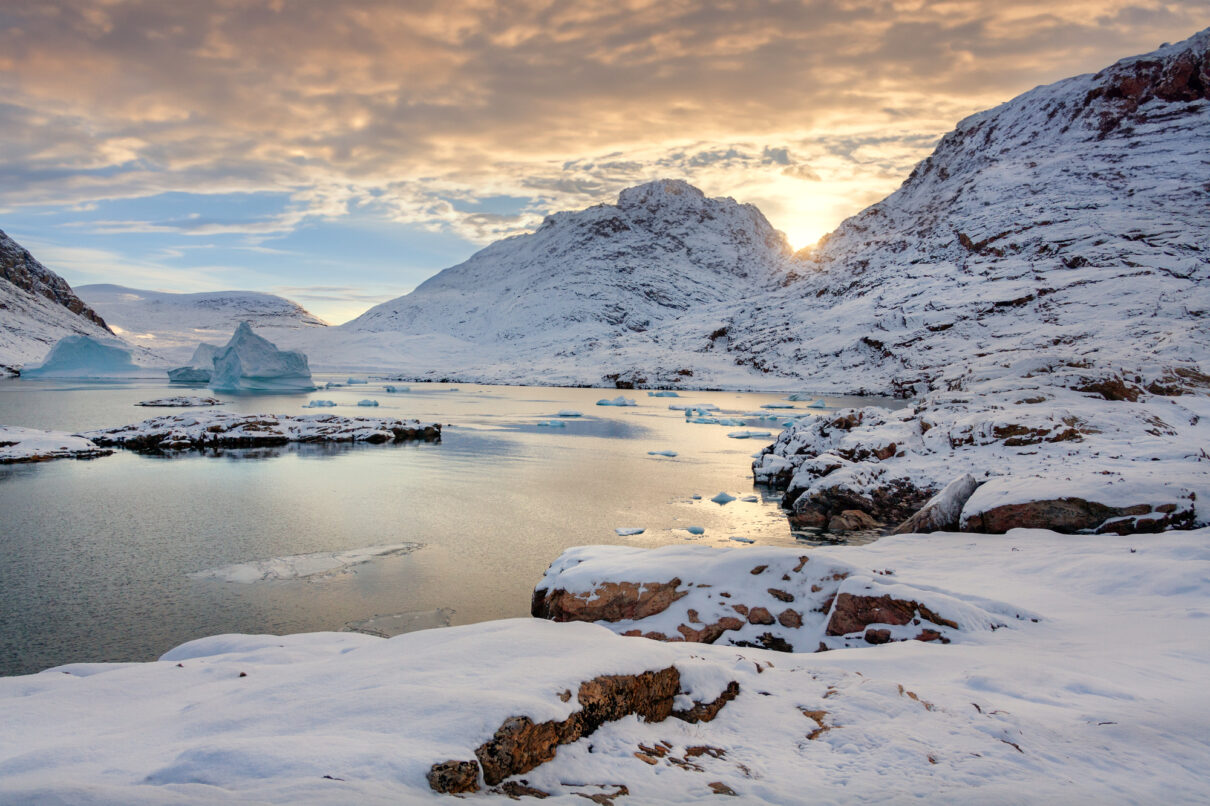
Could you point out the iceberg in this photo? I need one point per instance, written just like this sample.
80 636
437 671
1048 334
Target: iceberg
367 402
251 363
552 424
319 404
396 389
352 381
569 413
617 401
333 385
723 498
742 539
662 394
695 530
626 531
79 356
749 434
199 368
661 453
777 406
817 404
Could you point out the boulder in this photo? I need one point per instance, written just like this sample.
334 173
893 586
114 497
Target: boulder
943 511
852 613
610 601
851 520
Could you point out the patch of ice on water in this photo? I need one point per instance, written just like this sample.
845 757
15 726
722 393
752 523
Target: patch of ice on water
302 566
569 413
627 531
661 453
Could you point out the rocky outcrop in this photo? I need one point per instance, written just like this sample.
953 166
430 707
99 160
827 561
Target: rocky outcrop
207 430
852 613
943 511
520 744
20 268
1076 515
611 601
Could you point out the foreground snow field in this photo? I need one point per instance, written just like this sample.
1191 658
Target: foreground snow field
1101 700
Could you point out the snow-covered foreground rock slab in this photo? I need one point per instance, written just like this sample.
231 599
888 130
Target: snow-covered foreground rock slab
214 429
33 445
1102 700
250 363
303 566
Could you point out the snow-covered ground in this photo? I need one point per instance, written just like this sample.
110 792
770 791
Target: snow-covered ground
1100 700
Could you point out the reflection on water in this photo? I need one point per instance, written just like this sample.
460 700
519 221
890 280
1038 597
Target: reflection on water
95 557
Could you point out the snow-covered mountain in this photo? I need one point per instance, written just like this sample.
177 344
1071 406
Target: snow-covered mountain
37 308
174 324
587 294
1072 221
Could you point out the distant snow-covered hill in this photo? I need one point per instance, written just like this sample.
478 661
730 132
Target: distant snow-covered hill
588 294
174 324
37 308
1072 221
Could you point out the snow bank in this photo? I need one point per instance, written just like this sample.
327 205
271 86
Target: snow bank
250 363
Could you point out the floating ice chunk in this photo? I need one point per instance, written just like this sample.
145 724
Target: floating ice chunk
367 402
79 356
301 566
776 406
395 389
696 497
666 393
749 434
692 407
569 413
553 424
817 404
730 421
352 381
661 453
723 498
617 401
703 420
742 539
695 530
250 363
334 385
319 404
750 499
627 531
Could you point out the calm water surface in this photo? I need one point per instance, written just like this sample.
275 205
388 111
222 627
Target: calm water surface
95 556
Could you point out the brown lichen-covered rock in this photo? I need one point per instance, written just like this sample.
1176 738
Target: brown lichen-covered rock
851 520
853 613
520 744
710 633
454 777
1071 515
877 636
610 601
790 619
760 615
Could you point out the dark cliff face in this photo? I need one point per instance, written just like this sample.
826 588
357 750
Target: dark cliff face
20 268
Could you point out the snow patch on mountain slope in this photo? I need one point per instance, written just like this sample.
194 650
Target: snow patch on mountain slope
174 324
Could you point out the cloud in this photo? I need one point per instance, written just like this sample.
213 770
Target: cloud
373 107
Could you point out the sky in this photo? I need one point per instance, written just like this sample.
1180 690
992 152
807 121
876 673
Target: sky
339 153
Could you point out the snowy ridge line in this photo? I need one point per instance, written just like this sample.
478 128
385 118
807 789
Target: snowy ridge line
208 429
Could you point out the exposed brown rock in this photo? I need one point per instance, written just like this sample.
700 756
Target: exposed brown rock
877 636
719 788
853 613
759 615
609 601
520 744
1070 515
790 619
1111 389
781 595
517 790
851 520
710 632
454 777
760 569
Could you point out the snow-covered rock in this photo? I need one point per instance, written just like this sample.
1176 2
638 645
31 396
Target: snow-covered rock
172 323
181 402
39 308
34 445
211 429
80 356
252 363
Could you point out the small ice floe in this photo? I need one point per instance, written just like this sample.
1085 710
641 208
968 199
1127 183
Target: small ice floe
666 393
569 413
367 402
319 404
696 497
692 407
723 498
749 434
394 390
333 385
352 381
817 404
777 406
750 499
627 531
552 424
661 453
302 566
617 401
738 539
695 530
